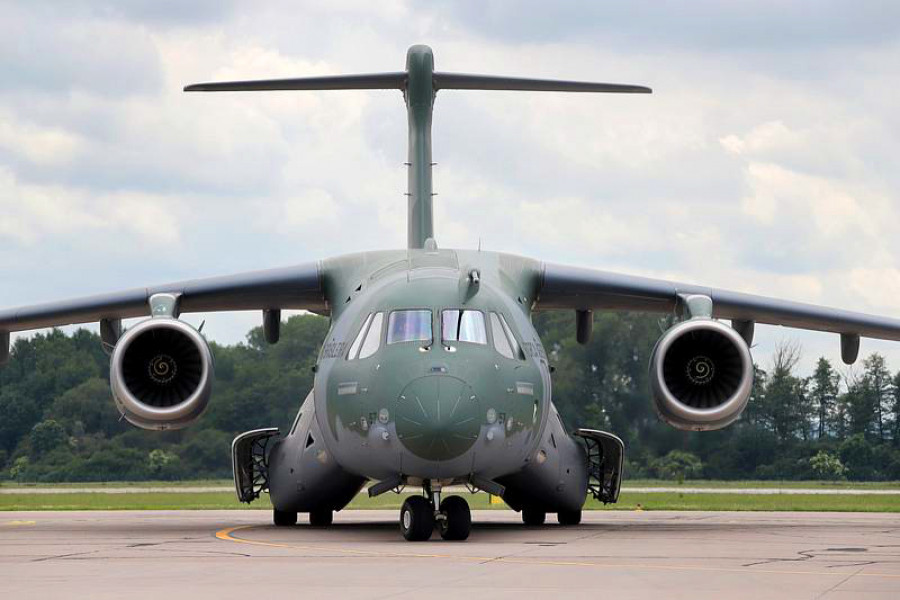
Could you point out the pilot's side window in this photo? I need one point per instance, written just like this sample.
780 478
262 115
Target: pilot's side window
409 326
463 326
504 340
368 340
373 337
513 342
354 347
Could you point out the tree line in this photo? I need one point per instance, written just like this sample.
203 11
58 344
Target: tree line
58 422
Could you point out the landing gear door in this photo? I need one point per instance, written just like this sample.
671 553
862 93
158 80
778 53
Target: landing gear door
606 455
250 462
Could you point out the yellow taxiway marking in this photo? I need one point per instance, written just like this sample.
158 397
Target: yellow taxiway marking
16 523
225 534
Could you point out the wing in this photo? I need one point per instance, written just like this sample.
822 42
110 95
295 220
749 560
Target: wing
297 287
587 289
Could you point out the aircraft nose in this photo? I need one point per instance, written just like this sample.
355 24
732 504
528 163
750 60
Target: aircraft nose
438 417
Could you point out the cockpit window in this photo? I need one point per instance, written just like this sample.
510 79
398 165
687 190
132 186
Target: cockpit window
409 326
354 347
514 344
504 340
463 326
373 337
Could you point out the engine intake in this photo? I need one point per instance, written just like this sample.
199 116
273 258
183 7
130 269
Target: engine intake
161 374
701 375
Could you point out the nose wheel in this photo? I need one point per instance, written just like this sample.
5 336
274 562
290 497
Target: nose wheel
419 514
457 518
416 519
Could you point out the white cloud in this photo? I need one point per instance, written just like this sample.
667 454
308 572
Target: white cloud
41 145
307 210
36 214
777 193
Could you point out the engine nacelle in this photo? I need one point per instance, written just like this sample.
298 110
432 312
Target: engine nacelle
701 375
161 373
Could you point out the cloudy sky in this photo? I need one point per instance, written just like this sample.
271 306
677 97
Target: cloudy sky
764 161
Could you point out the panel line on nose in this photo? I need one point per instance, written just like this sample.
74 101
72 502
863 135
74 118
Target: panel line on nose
422 408
455 406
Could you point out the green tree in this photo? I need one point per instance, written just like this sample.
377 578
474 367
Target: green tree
46 436
678 465
19 468
825 382
787 403
857 454
164 465
827 466
875 395
895 409
207 452
88 404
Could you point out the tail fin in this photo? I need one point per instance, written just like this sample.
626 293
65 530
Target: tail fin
419 84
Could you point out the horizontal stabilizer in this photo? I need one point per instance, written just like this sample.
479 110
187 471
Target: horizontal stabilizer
372 81
398 81
464 81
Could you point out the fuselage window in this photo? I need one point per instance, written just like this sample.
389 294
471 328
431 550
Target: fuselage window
354 347
463 326
373 337
501 342
409 326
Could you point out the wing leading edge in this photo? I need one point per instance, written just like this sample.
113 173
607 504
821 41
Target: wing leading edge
565 287
296 287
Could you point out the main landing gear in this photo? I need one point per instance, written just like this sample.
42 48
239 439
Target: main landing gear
536 518
284 518
317 518
419 515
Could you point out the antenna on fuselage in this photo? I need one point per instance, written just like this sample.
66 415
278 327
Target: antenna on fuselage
419 84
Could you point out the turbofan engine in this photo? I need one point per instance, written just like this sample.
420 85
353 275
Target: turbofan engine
701 375
161 374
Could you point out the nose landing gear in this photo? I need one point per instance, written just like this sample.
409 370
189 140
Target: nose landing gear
416 519
457 519
420 513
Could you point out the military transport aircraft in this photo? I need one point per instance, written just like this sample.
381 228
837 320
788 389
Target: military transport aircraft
432 374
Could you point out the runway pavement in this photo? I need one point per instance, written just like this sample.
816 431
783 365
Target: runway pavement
238 554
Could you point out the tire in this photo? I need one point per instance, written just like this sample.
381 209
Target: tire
416 519
283 518
533 517
458 522
569 517
321 518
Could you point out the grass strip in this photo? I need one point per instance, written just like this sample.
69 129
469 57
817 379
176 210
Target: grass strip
627 501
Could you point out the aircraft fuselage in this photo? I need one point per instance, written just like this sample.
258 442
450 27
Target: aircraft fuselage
434 406
431 371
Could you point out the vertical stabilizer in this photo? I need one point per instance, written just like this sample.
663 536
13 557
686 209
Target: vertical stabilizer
419 95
